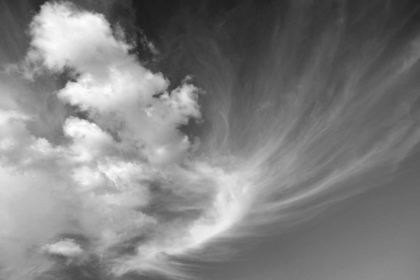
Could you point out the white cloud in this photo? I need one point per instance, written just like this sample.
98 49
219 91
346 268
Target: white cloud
114 176
110 83
65 247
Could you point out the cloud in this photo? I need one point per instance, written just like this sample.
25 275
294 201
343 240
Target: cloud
109 81
108 170
65 247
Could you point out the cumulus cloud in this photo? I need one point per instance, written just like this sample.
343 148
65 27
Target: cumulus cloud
65 247
100 181
110 83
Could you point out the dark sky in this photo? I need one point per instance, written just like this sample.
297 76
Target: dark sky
374 236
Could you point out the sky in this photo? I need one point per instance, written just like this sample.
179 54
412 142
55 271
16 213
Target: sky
373 236
209 140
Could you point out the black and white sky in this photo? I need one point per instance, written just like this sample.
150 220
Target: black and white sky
209 140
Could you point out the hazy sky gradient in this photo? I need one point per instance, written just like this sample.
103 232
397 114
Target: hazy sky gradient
374 237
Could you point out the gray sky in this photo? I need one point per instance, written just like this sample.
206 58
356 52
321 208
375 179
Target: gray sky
374 236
